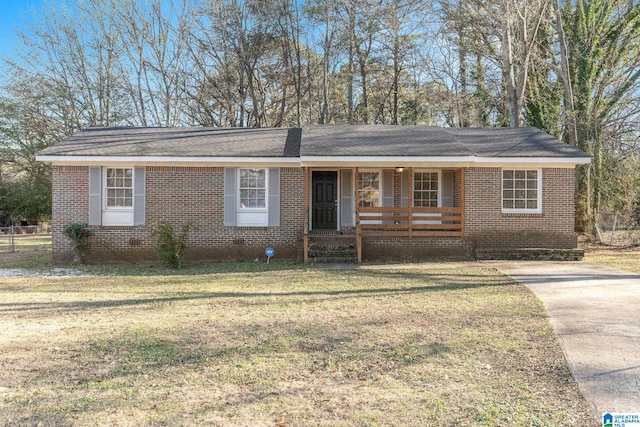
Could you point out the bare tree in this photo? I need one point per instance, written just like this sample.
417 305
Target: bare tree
156 59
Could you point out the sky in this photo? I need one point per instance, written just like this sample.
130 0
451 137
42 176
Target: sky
12 16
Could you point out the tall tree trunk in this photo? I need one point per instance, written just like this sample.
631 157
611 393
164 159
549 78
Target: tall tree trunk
352 43
463 116
324 114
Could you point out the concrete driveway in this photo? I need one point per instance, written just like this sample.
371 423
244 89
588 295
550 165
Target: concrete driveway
595 311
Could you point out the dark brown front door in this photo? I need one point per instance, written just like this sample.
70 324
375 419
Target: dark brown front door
324 196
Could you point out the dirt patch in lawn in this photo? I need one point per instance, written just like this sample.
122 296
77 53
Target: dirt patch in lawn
262 345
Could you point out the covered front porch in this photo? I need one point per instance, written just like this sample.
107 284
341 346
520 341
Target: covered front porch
357 203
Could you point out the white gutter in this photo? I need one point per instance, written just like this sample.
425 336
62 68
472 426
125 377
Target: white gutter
370 161
169 161
382 161
551 160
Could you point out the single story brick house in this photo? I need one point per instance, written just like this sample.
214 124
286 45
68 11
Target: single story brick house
331 193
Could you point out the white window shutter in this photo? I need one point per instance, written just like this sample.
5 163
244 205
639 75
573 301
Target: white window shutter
95 195
347 205
404 189
230 197
274 197
387 188
139 197
447 188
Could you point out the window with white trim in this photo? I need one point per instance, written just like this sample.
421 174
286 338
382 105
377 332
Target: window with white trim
521 190
368 189
118 188
425 189
252 189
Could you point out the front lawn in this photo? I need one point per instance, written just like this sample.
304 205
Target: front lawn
277 345
30 251
623 258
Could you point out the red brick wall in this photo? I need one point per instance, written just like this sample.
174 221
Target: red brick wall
487 227
70 190
457 185
414 249
195 194
180 195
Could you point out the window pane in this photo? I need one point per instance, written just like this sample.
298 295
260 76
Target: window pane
119 187
368 189
425 189
520 189
252 188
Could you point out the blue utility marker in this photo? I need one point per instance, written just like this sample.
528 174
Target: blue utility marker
269 252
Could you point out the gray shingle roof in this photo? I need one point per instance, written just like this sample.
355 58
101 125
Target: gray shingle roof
179 142
513 142
425 141
380 141
313 141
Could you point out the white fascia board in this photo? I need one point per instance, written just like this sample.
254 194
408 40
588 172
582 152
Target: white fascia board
384 161
170 161
461 161
540 162
319 161
546 160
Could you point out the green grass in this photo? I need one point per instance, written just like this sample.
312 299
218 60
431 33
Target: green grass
251 344
25 242
31 251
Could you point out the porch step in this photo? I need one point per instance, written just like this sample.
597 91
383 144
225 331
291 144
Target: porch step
332 249
333 260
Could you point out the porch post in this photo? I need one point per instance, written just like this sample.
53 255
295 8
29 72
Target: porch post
410 203
305 237
357 203
462 201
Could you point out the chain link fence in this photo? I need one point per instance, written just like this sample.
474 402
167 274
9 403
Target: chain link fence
618 228
14 237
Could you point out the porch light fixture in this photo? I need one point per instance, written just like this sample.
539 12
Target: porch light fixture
399 169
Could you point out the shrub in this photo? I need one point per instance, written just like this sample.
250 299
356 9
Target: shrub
170 246
79 235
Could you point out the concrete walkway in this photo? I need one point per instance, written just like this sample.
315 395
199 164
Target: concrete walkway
595 311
